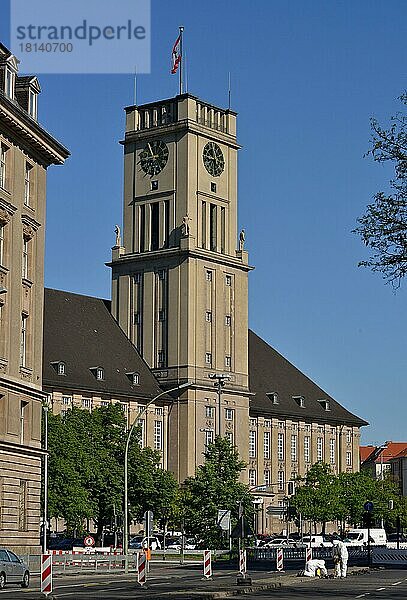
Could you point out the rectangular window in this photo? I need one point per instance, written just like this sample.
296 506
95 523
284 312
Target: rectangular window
2 243
332 451
158 435
161 315
203 224
161 274
228 320
293 448
267 423
142 237
252 444
349 436
9 83
86 403
208 275
27 184
266 444
253 422
166 223
222 230
209 412
229 437
22 505
228 361
104 403
280 481
280 446
32 104
229 414
23 340
209 435
228 280
66 400
320 449
267 478
158 411
23 406
208 316
25 258
213 221
208 358
349 459
3 150
161 358
307 449
252 477
141 425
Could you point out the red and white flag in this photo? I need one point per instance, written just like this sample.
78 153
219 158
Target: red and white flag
176 54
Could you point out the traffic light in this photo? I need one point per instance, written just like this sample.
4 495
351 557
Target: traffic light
367 519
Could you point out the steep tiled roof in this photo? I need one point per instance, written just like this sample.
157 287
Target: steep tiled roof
81 332
269 372
365 452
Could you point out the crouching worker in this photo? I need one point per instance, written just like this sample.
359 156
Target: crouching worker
340 556
315 568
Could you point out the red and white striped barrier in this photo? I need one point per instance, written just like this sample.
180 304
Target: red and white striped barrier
141 568
280 562
308 554
46 574
207 563
242 562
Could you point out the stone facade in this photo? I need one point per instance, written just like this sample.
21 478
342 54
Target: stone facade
26 150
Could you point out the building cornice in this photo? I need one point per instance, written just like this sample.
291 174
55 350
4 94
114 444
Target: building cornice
18 387
22 450
31 133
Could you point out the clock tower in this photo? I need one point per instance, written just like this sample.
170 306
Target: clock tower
180 275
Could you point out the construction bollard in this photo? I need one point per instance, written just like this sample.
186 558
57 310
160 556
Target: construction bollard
308 554
207 564
280 562
46 574
242 562
141 568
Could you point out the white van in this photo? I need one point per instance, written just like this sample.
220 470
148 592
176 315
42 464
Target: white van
358 537
316 541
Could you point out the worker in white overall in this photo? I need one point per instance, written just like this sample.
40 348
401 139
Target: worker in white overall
315 568
340 556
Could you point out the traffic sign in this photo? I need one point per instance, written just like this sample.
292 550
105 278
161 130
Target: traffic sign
368 506
223 520
89 541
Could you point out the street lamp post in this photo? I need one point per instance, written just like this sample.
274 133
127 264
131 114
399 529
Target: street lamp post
126 457
219 382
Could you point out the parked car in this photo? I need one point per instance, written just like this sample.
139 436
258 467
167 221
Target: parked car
139 541
317 541
392 537
278 541
176 544
13 569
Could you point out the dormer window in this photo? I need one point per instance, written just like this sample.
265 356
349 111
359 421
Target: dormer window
273 397
300 400
59 366
326 405
9 83
98 372
32 104
134 378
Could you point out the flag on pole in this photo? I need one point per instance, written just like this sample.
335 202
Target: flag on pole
176 54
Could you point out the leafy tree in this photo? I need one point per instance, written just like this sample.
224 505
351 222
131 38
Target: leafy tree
318 498
383 228
215 486
86 470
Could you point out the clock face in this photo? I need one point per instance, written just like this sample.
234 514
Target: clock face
213 159
153 157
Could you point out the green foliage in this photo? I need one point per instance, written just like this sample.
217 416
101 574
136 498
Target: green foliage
324 497
86 470
215 486
383 228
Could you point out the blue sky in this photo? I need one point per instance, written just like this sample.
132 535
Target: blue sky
306 78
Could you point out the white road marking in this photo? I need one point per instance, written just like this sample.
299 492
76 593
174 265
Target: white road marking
361 596
397 583
380 589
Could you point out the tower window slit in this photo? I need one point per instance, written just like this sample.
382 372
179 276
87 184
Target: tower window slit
203 224
213 227
155 226
142 228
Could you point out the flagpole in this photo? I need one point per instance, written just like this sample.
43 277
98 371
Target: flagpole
181 34
229 90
